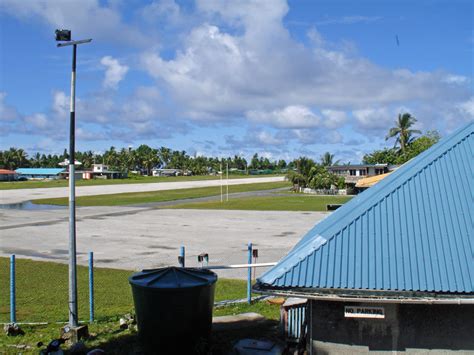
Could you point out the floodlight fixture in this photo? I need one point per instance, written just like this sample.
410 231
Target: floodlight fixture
63 35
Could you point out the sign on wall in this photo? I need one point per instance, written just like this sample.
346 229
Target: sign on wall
364 312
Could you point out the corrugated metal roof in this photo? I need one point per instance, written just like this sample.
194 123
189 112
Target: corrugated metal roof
39 171
6 172
413 231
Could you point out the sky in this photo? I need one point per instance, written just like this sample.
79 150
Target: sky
223 77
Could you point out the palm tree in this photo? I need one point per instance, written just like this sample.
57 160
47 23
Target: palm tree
327 159
402 130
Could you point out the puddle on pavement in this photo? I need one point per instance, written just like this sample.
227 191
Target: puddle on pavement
29 206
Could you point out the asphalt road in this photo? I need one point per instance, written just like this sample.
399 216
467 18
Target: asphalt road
21 195
145 237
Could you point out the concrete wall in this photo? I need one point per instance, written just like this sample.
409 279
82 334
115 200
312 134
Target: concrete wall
405 329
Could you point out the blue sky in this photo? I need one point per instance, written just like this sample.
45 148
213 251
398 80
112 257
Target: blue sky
219 78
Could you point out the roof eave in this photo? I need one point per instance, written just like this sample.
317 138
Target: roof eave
367 296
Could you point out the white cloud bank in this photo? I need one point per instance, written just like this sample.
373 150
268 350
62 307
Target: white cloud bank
260 72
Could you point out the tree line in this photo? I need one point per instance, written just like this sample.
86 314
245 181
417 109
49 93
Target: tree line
303 170
143 159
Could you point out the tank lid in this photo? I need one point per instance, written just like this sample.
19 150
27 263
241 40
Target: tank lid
173 277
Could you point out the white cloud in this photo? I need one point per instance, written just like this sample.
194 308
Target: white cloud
114 72
456 79
288 117
334 118
266 138
319 136
373 118
37 121
467 107
7 112
61 104
166 10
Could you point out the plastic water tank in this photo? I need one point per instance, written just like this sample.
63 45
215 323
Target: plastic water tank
173 307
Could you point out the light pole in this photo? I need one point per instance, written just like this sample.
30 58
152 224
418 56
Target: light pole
65 37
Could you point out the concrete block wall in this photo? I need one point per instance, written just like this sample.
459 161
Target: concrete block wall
406 328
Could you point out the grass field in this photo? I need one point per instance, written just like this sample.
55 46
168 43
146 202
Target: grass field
131 180
158 196
292 202
42 297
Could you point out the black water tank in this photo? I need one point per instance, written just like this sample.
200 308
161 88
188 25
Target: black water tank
174 309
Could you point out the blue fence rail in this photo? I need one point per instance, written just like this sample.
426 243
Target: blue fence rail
12 290
57 286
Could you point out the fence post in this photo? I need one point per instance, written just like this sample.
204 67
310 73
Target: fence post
182 254
249 274
91 286
12 290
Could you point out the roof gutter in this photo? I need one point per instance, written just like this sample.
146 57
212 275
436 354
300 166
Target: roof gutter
379 299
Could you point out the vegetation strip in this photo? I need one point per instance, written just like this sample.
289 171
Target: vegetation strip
133 198
295 202
133 179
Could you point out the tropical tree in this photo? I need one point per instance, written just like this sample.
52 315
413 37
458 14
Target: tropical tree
281 164
402 131
303 165
147 157
15 158
111 158
165 155
255 162
327 159
297 180
35 161
418 146
320 178
383 156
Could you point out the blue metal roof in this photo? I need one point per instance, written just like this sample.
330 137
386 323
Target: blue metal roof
39 171
413 231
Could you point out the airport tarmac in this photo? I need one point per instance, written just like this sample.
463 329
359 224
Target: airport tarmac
135 238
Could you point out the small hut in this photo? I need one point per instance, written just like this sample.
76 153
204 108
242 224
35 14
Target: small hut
392 269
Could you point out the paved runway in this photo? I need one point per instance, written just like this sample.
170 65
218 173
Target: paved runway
145 237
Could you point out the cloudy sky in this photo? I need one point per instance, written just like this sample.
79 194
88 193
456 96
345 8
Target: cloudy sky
279 78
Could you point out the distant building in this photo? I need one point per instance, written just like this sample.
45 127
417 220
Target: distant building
7 175
170 172
39 173
79 174
392 270
353 173
101 171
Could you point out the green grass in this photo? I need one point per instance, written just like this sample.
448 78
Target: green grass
42 297
295 202
158 196
134 179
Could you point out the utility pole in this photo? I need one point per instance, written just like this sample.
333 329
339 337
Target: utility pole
65 36
221 172
227 183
